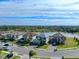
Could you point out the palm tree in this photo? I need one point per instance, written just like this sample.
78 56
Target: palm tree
31 53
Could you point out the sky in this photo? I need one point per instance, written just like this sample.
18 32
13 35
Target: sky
39 12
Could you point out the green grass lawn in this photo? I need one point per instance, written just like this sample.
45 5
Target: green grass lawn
76 32
42 58
2 54
71 58
69 43
43 47
15 57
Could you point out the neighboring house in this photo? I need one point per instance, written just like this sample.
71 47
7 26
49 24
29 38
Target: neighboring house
56 39
41 36
39 39
35 42
22 39
11 36
20 36
24 35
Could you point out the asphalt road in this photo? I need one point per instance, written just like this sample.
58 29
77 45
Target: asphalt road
46 53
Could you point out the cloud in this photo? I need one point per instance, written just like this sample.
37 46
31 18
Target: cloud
4 0
74 3
49 12
38 17
37 22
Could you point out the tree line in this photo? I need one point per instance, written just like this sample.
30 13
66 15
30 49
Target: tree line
71 29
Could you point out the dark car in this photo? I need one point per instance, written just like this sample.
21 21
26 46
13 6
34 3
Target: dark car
6 44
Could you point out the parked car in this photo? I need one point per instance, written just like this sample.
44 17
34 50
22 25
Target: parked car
5 46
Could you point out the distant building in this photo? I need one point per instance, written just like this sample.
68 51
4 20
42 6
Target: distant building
56 39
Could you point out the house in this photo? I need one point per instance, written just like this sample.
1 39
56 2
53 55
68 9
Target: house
21 42
24 39
40 36
10 36
19 36
38 39
56 39
35 42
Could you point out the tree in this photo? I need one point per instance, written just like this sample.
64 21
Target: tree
77 40
2 38
31 53
27 38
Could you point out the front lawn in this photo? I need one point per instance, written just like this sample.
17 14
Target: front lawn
43 47
41 57
71 58
3 54
69 43
15 57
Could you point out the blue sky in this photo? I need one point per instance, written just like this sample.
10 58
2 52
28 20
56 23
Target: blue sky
39 12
